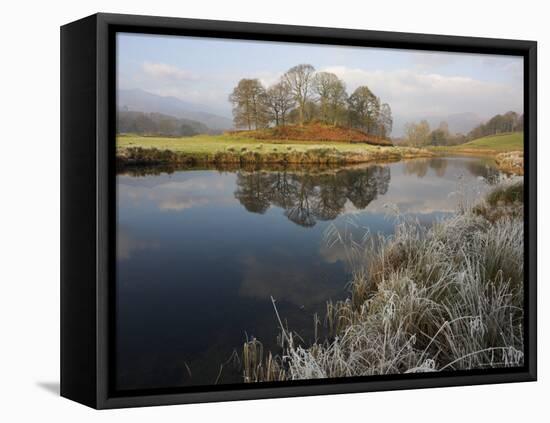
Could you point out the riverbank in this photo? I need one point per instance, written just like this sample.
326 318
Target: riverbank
510 162
505 149
228 149
490 145
444 298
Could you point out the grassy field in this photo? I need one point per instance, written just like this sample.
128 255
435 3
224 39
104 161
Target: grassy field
233 148
490 144
211 144
503 142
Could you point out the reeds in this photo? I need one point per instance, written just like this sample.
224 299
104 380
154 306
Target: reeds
448 297
256 367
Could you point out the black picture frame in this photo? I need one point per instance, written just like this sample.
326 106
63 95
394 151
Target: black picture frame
88 207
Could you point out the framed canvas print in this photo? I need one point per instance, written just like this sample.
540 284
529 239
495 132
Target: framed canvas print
256 211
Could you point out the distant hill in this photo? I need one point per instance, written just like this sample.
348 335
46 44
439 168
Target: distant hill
142 101
501 142
498 124
157 124
463 122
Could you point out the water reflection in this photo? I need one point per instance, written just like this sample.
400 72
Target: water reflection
127 244
211 246
420 167
284 276
482 168
306 197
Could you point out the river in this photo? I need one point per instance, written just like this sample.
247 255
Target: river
201 252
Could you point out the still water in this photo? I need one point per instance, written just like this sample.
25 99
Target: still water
201 252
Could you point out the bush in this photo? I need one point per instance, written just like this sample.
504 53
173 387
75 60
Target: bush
506 194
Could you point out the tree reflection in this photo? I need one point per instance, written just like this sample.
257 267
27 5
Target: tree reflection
439 165
420 167
416 167
307 198
255 194
479 168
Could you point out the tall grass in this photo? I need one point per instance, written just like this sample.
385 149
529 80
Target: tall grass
447 297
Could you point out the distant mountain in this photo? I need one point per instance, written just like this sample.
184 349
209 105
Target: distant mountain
142 101
130 122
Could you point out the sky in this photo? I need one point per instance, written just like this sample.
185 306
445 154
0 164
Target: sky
416 84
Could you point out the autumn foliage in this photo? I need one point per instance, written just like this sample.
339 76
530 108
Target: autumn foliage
313 132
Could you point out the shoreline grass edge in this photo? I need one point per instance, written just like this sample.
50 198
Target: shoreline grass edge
135 151
448 297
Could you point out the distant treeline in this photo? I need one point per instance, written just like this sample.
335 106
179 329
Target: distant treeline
303 95
508 122
419 134
129 122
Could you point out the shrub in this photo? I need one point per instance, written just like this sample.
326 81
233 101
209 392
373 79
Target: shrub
506 194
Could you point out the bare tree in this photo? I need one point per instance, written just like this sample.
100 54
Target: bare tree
331 94
249 104
385 120
338 103
440 135
364 109
418 133
299 79
279 101
303 95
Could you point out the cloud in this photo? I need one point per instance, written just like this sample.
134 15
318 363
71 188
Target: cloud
413 94
510 66
179 193
269 78
209 91
165 71
127 244
431 60
286 278
180 204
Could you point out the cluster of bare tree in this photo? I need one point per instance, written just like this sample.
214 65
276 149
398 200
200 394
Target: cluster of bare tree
419 134
498 124
304 95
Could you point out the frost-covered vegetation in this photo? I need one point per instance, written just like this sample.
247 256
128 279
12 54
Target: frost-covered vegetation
447 297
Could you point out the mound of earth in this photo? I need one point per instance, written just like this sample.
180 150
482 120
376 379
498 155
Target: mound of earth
313 132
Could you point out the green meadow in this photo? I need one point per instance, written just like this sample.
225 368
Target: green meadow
490 144
228 148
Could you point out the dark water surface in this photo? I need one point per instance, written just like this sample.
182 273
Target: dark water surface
200 253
